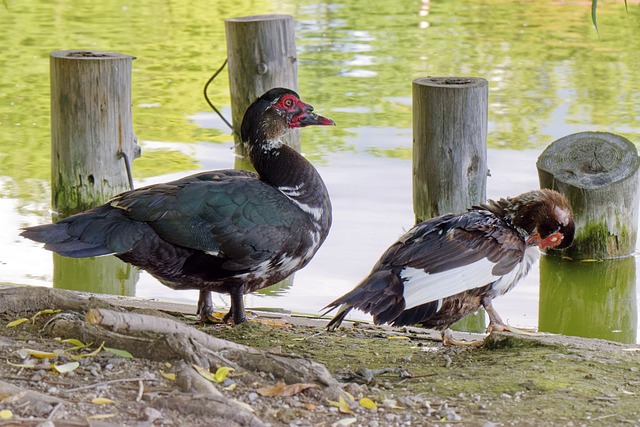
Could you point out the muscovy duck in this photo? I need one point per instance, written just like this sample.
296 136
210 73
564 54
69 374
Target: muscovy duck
228 231
447 267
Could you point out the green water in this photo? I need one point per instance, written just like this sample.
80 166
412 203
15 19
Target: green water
550 74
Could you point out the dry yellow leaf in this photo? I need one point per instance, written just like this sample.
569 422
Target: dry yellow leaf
397 337
67 367
204 373
20 365
100 416
39 354
17 322
231 387
282 389
342 405
6 414
43 312
221 373
168 375
218 377
93 353
365 402
102 401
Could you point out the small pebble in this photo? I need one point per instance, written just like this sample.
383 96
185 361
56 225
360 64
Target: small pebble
252 396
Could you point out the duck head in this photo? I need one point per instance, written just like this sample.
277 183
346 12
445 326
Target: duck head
545 216
275 113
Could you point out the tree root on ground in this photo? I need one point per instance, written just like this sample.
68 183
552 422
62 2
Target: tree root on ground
161 338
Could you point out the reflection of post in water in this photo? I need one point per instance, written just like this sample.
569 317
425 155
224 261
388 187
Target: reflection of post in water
105 275
589 299
91 129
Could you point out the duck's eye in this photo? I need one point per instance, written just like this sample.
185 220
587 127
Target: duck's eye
288 102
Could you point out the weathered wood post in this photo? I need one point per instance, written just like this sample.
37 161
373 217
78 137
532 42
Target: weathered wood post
598 172
91 130
450 116
262 55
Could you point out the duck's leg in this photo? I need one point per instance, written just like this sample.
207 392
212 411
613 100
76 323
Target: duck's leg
495 322
205 306
236 312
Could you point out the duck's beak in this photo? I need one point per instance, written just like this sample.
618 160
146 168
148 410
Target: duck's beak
306 117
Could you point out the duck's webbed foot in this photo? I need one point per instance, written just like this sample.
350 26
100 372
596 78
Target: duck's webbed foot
447 339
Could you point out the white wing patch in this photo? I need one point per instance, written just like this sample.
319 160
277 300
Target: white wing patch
421 287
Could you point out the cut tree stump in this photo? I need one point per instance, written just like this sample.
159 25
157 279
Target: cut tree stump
598 172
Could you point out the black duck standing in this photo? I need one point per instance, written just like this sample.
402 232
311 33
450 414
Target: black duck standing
447 267
228 231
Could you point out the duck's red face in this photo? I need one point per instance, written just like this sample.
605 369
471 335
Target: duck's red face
300 114
554 226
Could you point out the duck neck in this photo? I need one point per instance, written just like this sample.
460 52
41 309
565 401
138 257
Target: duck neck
287 170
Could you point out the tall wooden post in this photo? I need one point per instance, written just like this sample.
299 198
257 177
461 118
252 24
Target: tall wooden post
90 126
598 172
91 129
449 144
262 55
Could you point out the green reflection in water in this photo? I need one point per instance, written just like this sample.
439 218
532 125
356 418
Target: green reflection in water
589 299
106 275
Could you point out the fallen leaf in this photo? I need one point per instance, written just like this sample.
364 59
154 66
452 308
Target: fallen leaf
221 374
43 312
282 389
231 387
342 405
102 401
93 353
67 367
168 375
122 353
365 402
397 337
204 372
344 422
100 416
39 354
6 414
17 322
75 343
18 365
310 407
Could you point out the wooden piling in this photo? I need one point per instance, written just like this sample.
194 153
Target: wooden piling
449 144
90 126
598 172
262 55
91 129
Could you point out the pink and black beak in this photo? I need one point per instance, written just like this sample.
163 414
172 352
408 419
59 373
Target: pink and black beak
304 116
